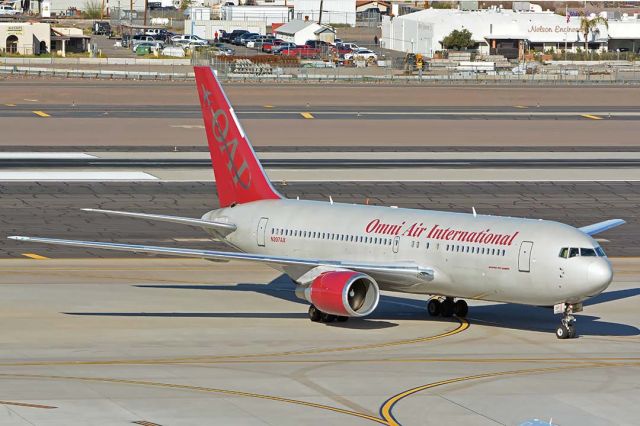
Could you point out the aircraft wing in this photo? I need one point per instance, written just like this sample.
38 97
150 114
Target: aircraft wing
398 271
219 226
599 227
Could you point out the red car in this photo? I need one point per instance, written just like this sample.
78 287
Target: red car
268 46
303 51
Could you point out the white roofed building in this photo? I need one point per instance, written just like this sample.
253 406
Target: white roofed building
497 31
299 32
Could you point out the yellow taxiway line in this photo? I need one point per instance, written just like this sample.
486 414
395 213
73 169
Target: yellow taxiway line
34 256
41 113
306 115
24 404
592 117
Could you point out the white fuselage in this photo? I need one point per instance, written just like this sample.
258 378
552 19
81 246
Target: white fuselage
477 257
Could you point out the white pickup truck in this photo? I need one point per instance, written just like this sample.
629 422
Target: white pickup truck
5 9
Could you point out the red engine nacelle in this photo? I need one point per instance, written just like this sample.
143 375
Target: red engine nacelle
343 293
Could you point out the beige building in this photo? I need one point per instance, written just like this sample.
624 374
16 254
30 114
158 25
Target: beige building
25 38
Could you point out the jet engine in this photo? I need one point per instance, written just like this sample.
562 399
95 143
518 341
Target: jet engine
342 293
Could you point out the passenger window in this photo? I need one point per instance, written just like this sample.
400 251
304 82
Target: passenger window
573 252
587 252
564 252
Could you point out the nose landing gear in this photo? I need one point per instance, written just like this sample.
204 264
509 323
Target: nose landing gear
567 329
447 307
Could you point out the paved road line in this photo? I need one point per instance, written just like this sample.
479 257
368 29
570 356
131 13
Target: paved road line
198 389
268 106
387 407
591 116
145 423
23 404
464 325
34 256
10 105
521 106
41 113
307 115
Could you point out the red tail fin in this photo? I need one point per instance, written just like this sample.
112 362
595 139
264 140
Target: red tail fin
239 176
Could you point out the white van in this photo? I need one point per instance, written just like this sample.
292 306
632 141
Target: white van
5 9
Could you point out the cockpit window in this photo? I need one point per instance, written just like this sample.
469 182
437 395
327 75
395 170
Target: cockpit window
568 252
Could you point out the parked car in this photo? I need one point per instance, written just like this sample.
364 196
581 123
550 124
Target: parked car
5 9
193 44
186 38
244 38
268 46
226 51
141 38
101 28
302 51
351 46
226 37
318 44
277 50
367 54
257 42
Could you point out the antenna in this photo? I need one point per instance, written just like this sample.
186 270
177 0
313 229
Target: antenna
473 209
330 200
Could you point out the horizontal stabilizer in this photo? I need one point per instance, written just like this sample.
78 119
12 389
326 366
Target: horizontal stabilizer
596 228
219 226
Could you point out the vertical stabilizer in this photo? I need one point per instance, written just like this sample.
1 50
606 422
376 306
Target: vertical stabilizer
239 176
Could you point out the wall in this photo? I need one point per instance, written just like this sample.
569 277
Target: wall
29 36
334 11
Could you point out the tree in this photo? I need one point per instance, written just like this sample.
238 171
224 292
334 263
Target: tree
587 26
458 40
93 9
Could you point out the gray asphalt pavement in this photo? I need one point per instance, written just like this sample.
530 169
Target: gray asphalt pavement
53 209
380 112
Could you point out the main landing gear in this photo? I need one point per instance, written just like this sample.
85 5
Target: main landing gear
447 308
567 329
316 315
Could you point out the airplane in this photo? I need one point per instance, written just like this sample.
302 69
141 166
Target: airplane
342 255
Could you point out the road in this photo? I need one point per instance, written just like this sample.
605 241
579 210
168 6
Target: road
53 209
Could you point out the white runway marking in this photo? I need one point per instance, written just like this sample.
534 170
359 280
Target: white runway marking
45 156
36 176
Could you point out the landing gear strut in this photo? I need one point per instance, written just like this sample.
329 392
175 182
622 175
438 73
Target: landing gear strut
316 315
447 307
567 329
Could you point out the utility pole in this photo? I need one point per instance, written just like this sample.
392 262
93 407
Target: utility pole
102 10
146 6
320 17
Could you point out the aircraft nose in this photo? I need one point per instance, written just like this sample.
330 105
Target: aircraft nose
599 276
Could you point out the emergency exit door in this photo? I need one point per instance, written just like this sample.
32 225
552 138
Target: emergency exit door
524 258
261 232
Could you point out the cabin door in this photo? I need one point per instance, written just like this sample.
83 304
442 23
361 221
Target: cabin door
396 244
524 258
261 232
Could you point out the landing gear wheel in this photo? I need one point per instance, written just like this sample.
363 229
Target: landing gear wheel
327 317
314 314
433 307
567 329
461 309
342 319
447 308
563 332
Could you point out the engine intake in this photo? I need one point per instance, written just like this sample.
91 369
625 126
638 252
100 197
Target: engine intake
343 293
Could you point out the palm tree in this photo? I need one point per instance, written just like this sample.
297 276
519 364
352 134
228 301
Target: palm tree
587 26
